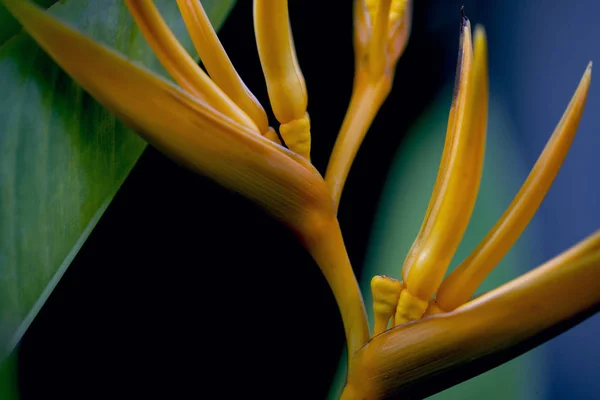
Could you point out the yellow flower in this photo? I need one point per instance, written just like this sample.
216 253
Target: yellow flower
215 126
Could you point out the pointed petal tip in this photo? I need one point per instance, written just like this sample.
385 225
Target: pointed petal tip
584 83
464 20
588 70
479 31
587 75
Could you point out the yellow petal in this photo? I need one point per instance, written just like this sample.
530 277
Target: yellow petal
217 62
181 125
421 358
178 62
285 82
459 98
464 280
457 185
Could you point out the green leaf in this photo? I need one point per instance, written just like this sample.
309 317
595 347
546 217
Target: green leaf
62 156
402 207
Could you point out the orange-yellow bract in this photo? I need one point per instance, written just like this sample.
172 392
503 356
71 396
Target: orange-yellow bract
214 125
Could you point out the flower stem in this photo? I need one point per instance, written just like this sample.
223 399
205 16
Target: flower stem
367 98
326 245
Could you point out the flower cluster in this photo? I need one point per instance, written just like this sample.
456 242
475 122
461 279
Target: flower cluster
425 326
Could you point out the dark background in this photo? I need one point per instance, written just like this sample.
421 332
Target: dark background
184 289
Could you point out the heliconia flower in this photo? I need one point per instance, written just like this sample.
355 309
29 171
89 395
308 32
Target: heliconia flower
213 124
455 192
423 357
441 336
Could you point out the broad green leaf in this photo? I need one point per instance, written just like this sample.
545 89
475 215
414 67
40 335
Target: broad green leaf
62 156
402 207
8 378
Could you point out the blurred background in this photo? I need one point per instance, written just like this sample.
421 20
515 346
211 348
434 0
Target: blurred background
183 287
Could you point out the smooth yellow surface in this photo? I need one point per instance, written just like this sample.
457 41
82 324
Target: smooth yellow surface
217 62
285 82
462 283
457 108
457 185
458 104
180 65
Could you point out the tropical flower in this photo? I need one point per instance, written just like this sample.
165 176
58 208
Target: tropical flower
439 335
